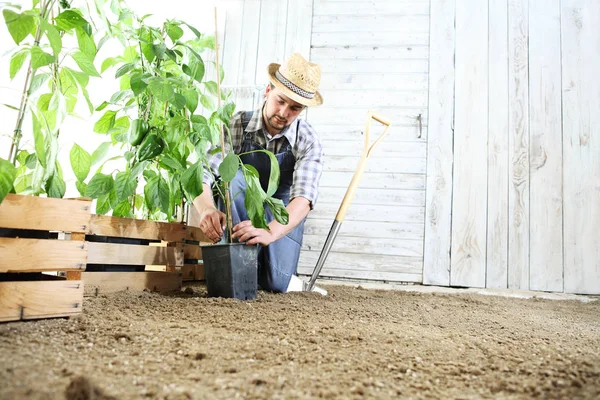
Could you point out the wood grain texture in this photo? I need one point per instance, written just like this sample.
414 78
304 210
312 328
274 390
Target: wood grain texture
380 7
299 28
469 194
38 255
581 144
110 282
40 299
438 204
271 38
248 98
104 225
497 193
518 150
127 254
44 213
545 147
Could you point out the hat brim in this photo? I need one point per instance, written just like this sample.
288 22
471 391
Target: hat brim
317 100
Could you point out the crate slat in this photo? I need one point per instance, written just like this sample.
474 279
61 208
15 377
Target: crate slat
40 299
128 254
136 228
44 213
192 251
195 234
37 255
192 272
108 282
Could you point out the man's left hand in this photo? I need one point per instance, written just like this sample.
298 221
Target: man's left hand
247 233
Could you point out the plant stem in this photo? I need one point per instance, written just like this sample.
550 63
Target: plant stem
226 184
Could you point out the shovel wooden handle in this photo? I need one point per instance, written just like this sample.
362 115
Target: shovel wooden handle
362 164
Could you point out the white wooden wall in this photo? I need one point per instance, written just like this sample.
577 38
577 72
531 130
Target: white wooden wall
373 56
514 100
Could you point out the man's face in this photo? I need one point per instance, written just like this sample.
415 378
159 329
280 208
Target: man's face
280 111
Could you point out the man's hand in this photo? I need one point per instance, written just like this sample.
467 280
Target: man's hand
246 232
211 223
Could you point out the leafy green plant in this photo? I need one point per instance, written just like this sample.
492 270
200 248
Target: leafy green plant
57 76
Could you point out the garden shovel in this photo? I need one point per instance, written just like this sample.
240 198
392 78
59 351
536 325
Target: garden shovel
339 218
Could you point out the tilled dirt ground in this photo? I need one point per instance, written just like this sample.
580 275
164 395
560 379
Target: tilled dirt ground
354 343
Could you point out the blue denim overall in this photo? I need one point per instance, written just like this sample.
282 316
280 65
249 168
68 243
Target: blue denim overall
278 261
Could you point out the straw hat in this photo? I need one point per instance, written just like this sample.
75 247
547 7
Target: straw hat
298 79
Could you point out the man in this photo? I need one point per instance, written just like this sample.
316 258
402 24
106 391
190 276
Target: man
275 127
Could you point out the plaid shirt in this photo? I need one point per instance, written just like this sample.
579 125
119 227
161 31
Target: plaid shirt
306 148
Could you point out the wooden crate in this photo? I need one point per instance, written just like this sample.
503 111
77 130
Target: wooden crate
168 245
33 249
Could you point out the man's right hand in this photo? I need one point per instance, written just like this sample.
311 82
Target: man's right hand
212 222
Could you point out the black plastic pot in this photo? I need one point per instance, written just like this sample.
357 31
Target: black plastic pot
231 270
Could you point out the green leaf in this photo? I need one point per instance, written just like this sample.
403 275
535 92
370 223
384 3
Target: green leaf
195 68
8 174
81 162
157 194
37 82
69 19
191 99
39 141
100 153
19 25
109 62
81 188
119 96
123 69
123 209
55 186
278 209
225 113
174 32
191 180
53 37
130 54
137 83
86 43
229 167
212 88
106 202
179 101
85 63
124 185
106 122
99 185
171 163
16 62
138 168
196 32
207 102
102 106
161 89
39 58
255 196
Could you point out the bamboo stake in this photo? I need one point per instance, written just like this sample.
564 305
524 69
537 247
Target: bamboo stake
226 184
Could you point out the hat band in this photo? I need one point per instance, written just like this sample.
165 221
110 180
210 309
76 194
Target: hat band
294 88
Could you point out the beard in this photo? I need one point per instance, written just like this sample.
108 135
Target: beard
276 122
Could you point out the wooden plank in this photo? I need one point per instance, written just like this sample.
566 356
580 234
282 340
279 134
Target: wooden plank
369 23
469 194
40 299
545 147
110 282
376 98
367 196
581 145
352 51
370 39
76 275
374 180
357 116
384 230
192 251
271 38
192 272
379 7
231 43
298 28
372 81
373 213
358 275
518 148
104 225
416 149
248 97
44 213
397 133
497 235
127 254
381 165
366 262
438 218
367 245
33 255
193 232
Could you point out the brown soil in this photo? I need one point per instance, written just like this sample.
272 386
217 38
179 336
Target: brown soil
354 343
